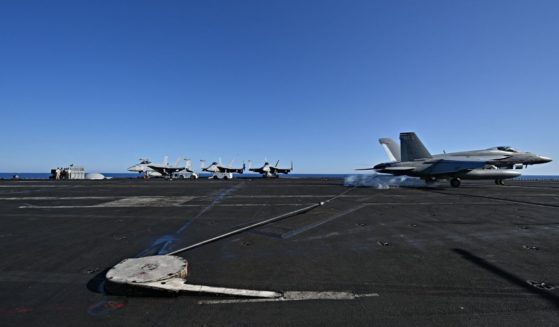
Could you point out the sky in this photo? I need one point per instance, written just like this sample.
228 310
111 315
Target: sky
103 83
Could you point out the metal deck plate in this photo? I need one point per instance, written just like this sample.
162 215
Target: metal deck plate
148 269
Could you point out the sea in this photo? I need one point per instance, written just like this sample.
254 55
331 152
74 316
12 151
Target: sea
34 176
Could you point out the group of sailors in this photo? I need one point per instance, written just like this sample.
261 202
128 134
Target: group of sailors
59 173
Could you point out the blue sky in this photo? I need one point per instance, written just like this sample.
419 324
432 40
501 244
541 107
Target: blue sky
102 83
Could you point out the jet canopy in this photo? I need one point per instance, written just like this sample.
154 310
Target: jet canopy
506 149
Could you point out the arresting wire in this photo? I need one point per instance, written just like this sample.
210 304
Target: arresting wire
258 224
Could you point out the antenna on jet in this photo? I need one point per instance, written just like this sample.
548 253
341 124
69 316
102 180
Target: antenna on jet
249 164
277 163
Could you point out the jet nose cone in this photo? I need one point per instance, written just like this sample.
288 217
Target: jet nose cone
544 159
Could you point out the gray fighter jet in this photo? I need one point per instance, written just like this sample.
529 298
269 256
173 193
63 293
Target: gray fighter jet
221 172
168 171
143 168
271 171
500 156
414 160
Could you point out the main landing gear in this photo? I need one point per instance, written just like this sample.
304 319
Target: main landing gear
455 182
499 182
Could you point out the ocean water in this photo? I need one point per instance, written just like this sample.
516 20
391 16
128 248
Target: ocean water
136 175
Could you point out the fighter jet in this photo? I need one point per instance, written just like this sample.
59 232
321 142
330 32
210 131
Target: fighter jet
500 156
171 171
143 168
416 161
221 172
271 171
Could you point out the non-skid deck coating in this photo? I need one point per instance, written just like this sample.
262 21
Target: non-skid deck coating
480 255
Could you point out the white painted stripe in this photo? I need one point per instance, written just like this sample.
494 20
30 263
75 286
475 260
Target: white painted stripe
297 296
428 203
166 205
178 284
116 197
266 196
46 198
29 185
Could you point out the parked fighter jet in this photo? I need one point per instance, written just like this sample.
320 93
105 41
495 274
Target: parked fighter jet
143 168
271 171
175 170
500 156
221 172
416 161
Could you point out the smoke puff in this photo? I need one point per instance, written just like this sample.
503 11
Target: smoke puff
380 181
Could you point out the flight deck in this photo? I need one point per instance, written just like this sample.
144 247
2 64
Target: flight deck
478 255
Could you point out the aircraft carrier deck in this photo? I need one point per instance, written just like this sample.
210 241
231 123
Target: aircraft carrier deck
479 255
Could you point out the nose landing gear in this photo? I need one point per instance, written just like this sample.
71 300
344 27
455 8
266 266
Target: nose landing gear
455 182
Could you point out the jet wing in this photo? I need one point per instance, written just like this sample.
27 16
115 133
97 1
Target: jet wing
232 170
445 167
475 158
280 170
167 170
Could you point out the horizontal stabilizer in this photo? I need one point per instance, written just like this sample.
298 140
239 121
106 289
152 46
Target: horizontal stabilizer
396 169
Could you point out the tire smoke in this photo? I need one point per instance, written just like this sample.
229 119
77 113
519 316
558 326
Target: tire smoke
380 181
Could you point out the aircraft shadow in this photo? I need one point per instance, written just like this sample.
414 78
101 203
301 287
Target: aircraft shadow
511 278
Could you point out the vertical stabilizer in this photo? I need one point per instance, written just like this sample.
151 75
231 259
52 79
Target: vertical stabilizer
391 148
412 148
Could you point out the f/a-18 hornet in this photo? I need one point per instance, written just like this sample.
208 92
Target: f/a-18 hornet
499 156
221 172
150 169
270 171
143 168
414 160
175 171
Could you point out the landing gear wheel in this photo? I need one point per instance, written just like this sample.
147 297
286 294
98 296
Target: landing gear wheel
500 182
455 182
